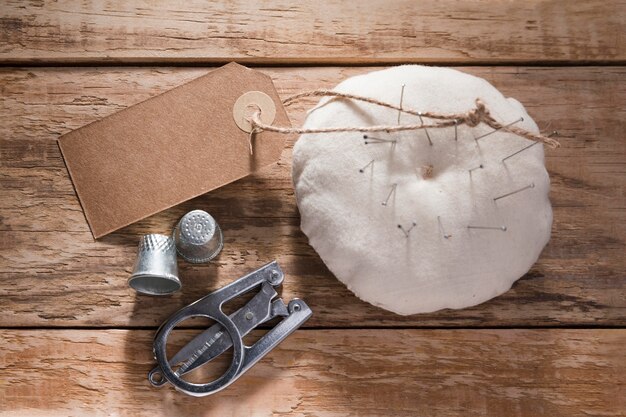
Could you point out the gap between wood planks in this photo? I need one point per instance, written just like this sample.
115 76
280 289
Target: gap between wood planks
336 327
287 63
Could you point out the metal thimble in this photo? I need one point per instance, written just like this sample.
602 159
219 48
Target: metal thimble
198 237
156 270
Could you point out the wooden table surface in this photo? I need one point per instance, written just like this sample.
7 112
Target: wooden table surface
75 340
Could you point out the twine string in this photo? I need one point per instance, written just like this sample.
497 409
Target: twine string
471 118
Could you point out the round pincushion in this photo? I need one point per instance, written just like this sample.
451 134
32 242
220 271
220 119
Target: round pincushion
418 221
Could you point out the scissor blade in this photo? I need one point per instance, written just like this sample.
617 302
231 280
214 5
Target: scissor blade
224 342
210 335
215 341
191 349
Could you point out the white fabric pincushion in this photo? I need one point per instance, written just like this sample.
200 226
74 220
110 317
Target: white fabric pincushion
440 262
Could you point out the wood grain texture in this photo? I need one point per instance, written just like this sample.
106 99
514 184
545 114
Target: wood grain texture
352 359
525 373
327 31
53 274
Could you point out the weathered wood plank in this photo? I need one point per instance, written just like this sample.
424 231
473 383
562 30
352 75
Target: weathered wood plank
329 373
329 31
49 260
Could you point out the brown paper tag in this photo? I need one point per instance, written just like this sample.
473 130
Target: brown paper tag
169 149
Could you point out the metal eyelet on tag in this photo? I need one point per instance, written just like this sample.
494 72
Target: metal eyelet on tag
250 102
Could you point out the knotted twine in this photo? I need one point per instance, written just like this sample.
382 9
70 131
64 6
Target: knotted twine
471 118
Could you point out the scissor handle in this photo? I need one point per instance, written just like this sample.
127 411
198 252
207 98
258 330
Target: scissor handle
191 388
214 341
299 312
211 307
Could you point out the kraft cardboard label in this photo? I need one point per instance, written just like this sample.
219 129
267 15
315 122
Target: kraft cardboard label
168 149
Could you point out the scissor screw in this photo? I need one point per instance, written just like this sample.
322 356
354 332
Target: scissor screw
249 315
274 276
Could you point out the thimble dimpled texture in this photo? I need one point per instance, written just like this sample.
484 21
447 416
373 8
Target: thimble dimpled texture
197 227
156 242
198 237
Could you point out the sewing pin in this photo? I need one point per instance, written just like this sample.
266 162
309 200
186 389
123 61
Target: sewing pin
481 166
401 100
407 231
393 190
531 185
502 228
554 133
521 119
443 232
426 130
362 170
521 150
370 139
456 130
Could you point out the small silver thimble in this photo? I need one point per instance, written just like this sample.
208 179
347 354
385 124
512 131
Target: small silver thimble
156 270
198 237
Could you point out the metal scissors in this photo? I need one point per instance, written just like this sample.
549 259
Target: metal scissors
228 331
